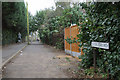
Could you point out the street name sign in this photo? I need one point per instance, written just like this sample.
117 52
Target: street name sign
100 45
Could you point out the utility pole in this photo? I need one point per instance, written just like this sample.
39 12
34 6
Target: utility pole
27 24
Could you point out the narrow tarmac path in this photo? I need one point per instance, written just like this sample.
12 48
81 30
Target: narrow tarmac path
8 51
36 61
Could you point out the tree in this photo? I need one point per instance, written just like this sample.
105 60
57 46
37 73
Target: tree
13 21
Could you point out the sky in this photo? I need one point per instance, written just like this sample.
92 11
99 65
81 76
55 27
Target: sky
36 5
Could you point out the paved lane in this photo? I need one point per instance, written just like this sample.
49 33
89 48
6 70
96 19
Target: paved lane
36 61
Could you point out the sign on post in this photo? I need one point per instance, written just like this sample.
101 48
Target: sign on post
100 45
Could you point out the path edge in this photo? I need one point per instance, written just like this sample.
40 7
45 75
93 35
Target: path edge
13 56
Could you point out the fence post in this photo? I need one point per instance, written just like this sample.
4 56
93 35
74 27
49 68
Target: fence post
64 40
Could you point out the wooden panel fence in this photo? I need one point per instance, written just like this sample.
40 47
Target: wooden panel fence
72 49
67 34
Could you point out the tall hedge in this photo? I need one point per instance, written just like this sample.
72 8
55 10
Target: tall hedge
13 21
101 23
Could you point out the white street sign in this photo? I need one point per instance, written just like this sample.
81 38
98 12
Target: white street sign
100 45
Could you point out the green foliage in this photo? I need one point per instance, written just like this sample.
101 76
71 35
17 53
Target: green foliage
69 40
48 24
36 21
51 23
71 16
9 37
68 59
89 72
52 29
101 23
13 21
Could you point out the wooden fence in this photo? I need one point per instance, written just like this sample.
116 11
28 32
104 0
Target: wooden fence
72 49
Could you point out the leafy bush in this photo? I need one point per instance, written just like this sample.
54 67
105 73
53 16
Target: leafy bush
53 31
101 23
8 37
